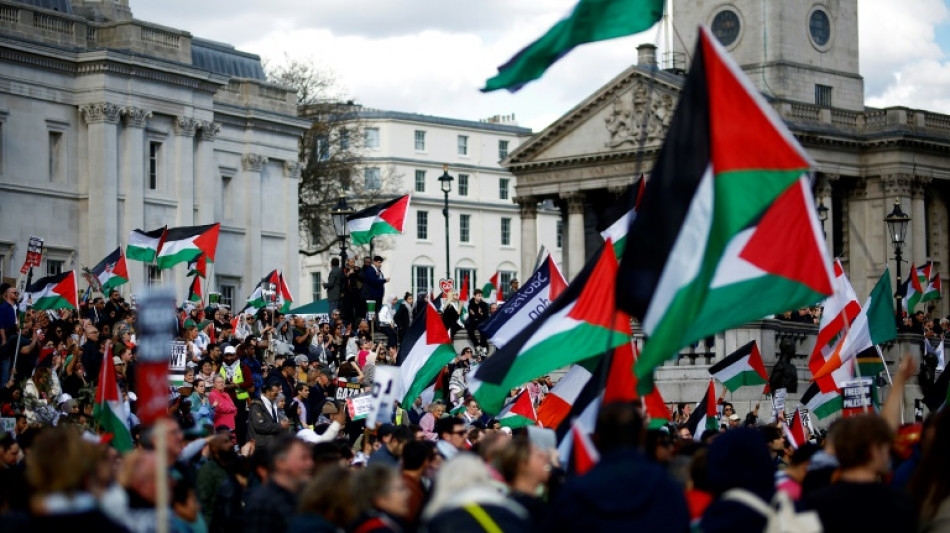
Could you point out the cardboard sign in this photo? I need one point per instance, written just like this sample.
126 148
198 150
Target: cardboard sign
359 406
384 394
858 397
446 285
778 402
345 389
34 253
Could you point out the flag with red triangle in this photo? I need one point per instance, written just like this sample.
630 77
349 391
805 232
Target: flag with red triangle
188 242
839 311
194 290
727 230
110 411
60 291
424 351
916 285
387 218
198 266
583 322
519 413
585 453
741 368
112 271
705 415
492 291
795 430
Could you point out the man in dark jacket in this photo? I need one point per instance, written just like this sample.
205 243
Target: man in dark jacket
271 506
650 501
374 283
264 423
477 313
334 284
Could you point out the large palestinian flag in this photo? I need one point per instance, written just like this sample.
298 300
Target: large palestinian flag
839 312
519 413
727 230
740 368
112 271
423 352
187 243
257 301
109 410
380 219
144 245
581 323
52 292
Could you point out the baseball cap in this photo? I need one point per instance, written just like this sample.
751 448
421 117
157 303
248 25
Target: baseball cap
734 416
302 360
230 349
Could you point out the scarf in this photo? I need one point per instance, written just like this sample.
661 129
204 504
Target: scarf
230 370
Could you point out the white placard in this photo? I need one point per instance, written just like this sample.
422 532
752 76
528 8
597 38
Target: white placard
384 394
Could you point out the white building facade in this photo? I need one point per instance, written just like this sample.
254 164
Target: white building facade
108 124
407 152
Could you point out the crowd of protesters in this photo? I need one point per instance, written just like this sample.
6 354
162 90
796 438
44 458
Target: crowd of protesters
259 438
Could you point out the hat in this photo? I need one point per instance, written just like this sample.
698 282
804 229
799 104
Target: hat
330 408
385 430
230 349
735 417
302 360
190 324
543 438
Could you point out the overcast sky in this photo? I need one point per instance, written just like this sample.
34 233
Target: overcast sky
432 56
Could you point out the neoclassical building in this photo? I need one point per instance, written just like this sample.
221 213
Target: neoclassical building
803 56
108 124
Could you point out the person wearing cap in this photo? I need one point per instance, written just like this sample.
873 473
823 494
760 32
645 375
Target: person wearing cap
287 378
238 383
374 283
734 421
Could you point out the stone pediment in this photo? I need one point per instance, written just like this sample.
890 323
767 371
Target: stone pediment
608 124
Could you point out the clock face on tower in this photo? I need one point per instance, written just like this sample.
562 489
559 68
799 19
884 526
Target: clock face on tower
725 26
819 27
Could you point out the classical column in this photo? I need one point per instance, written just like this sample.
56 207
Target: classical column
132 183
102 121
206 176
576 253
529 234
291 193
184 169
918 218
250 182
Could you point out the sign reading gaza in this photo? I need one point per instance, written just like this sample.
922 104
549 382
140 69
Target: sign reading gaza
524 307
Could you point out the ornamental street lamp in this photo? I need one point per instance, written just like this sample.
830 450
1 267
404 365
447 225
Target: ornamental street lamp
822 215
897 222
445 183
338 214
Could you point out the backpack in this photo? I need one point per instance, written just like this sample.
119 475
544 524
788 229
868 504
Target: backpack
780 515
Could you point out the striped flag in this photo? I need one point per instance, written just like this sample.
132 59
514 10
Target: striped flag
194 291
617 218
112 271
187 243
144 245
386 218
839 312
704 416
52 292
557 404
109 410
519 413
740 368
795 431
425 350
823 404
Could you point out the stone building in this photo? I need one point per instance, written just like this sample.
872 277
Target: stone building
108 124
406 153
803 56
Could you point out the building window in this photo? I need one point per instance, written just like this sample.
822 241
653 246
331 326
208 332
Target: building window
505 231
822 95
371 138
423 279
154 159
344 139
316 283
153 275
322 148
420 180
227 198
420 141
502 150
227 289
726 26
463 144
559 233
463 184
460 276
503 188
372 179
819 27
55 156
465 228
422 225
504 278
54 267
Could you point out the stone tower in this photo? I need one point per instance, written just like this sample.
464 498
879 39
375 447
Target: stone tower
799 51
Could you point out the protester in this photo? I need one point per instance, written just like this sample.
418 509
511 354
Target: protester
265 422
271 507
381 499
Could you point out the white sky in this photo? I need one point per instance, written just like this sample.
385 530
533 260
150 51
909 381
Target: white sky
432 56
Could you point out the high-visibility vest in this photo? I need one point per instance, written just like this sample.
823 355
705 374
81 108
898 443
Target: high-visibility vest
240 393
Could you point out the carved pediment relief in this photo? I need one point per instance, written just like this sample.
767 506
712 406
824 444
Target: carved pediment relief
639 115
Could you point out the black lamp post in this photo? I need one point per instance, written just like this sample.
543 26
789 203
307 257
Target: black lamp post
897 222
445 183
338 214
822 216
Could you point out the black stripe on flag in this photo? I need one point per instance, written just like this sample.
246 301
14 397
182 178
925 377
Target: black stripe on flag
732 358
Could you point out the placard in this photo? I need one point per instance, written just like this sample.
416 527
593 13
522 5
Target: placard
778 402
359 406
384 394
155 331
7 425
857 397
345 389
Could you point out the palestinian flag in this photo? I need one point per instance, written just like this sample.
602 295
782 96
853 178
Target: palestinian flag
873 326
616 220
519 413
932 290
380 219
557 404
110 411
463 302
795 431
194 291
741 368
654 406
704 416
52 292
112 271
823 404
585 454
916 284
583 322
423 352
621 381
144 245
727 231
839 311
198 266
187 243
438 390
284 298
492 292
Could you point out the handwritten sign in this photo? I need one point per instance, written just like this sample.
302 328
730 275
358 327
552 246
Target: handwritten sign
359 406
384 394
446 285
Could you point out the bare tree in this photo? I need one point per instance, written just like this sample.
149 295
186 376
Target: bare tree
331 153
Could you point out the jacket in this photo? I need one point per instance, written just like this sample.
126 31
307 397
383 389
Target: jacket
374 284
333 285
261 426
